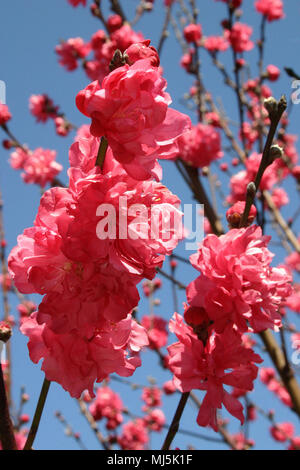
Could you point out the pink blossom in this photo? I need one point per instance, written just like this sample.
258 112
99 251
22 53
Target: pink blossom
192 33
62 126
39 165
114 22
279 197
42 107
200 146
152 397
249 134
124 36
76 360
169 387
268 377
222 361
187 60
20 437
215 43
70 51
134 435
75 3
155 420
239 37
237 285
131 111
213 119
109 405
241 442
5 114
140 51
6 281
273 73
240 180
294 443
283 431
157 331
271 9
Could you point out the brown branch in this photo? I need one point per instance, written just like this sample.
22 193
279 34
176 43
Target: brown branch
284 370
174 426
7 437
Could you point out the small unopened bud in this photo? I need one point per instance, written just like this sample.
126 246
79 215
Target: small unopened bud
271 106
251 189
25 397
282 104
117 61
275 152
235 212
5 331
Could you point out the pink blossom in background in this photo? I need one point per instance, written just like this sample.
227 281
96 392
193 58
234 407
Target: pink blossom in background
239 37
271 9
114 22
39 165
5 114
71 51
156 328
42 107
193 32
200 146
75 3
134 435
152 397
155 420
273 73
215 43
108 405
282 431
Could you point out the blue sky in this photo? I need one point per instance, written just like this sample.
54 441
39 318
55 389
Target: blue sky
28 35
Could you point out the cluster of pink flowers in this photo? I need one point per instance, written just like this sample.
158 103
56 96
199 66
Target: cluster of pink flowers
239 37
200 146
237 292
43 108
5 114
39 166
268 377
240 180
108 405
71 51
131 110
83 328
271 9
156 328
134 435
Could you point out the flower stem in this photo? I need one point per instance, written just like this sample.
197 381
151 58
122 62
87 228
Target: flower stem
174 426
37 415
102 152
7 437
